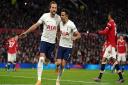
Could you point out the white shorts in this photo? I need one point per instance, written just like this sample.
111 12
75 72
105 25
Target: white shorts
11 57
121 57
107 53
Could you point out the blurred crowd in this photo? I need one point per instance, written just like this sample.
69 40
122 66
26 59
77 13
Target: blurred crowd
85 50
88 15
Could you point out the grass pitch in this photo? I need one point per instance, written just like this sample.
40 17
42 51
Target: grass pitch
69 77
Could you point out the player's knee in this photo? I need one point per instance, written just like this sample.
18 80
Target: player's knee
103 60
63 64
116 61
41 59
58 62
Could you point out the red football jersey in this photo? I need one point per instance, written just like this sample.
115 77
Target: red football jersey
110 32
12 45
121 46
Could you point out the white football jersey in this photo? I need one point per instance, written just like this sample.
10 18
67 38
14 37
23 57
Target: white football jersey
50 25
67 31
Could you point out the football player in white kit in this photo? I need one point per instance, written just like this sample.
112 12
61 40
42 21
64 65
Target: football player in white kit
68 34
50 23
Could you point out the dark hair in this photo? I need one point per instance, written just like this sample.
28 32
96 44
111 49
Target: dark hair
111 13
52 2
66 11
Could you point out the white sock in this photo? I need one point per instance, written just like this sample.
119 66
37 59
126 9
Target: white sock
40 67
60 73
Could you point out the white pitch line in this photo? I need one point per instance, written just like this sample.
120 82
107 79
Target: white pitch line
16 84
73 81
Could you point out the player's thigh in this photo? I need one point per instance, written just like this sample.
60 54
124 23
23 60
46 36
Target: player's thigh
14 57
43 47
67 54
106 53
10 57
123 57
113 54
60 52
50 50
119 57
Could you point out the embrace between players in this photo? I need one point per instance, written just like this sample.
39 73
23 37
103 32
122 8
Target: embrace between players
55 26
66 31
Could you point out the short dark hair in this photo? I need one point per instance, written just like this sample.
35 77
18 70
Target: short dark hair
111 13
66 11
52 2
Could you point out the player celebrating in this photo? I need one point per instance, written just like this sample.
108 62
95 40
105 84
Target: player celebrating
12 50
110 32
69 34
121 51
50 23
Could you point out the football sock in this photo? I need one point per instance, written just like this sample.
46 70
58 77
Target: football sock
100 75
40 67
102 69
120 75
14 65
60 73
122 68
117 67
8 65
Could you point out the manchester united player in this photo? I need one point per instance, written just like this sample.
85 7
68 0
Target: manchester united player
12 50
121 51
110 32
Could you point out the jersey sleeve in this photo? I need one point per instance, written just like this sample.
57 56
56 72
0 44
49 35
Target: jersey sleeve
42 19
105 31
73 26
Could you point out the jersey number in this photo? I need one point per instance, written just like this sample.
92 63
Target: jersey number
11 44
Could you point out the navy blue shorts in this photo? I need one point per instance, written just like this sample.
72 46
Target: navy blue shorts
64 53
46 48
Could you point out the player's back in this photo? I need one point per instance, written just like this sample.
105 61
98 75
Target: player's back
12 47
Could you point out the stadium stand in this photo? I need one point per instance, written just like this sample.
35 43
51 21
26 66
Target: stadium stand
17 16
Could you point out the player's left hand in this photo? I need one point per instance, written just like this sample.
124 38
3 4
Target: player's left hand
22 35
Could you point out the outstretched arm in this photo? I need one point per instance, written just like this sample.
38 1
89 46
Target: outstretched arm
106 30
32 28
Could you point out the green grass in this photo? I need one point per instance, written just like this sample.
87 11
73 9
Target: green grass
70 77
